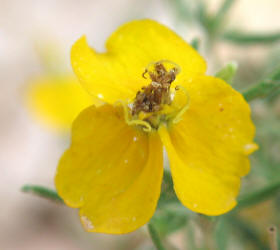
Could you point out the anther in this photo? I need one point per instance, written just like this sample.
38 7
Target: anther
157 93
144 73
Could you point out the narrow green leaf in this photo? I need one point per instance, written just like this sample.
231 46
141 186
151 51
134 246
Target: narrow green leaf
221 13
228 72
182 9
43 192
201 12
155 237
269 85
243 38
262 89
258 196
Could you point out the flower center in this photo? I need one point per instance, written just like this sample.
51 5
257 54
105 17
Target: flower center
153 104
151 98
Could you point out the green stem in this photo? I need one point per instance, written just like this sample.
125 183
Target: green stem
258 196
264 88
247 231
242 38
221 233
43 192
155 237
167 195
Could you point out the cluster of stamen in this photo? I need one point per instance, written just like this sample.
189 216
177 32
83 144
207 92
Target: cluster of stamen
151 98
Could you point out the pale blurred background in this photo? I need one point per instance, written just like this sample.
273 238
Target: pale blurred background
29 151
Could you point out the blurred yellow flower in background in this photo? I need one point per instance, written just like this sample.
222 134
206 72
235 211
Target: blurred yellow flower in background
114 166
56 100
55 97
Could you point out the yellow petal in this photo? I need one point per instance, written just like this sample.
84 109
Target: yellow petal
56 102
208 148
112 172
117 73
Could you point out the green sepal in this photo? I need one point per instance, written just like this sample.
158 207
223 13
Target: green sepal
228 72
42 192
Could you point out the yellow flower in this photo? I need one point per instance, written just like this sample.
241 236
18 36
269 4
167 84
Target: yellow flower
157 95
